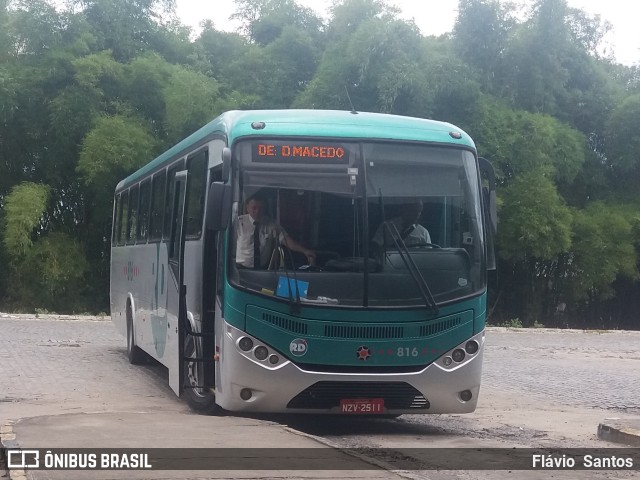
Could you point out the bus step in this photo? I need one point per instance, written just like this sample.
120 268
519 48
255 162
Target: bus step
205 335
198 360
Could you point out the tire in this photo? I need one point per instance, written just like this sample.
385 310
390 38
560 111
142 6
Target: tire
200 400
134 353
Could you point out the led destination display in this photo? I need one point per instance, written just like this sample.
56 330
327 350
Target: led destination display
300 152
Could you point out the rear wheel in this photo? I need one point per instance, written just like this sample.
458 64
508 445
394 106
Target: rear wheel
201 400
134 353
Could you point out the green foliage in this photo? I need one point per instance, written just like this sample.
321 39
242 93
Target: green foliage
520 142
264 20
535 222
114 146
481 35
603 248
24 209
623 141
52 275
191 99
512 323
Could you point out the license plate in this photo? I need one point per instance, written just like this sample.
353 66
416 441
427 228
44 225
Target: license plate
362 406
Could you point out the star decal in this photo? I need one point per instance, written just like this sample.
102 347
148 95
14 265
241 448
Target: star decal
363 353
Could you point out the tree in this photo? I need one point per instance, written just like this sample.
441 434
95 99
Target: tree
115 146
191 99
480 35
534 233
264 20
126 27
603 250
622 139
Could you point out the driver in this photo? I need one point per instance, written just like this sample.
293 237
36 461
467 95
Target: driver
411 232
256 225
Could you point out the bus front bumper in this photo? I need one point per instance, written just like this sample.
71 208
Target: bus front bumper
244 383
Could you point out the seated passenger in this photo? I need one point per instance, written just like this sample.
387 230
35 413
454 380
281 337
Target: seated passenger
256 225
411 232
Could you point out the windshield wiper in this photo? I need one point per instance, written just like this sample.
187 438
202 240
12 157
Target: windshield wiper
412 268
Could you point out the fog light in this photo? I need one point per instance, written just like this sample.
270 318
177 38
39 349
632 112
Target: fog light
458 355
465 395
471 347
246 393
245 344
261 352
273 359
447 361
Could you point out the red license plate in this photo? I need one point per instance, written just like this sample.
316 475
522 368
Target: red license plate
362 406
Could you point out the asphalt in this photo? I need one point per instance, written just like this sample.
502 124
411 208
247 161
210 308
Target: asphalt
236 447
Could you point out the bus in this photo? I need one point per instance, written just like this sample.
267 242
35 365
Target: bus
389 328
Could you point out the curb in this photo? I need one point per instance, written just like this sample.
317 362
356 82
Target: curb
8 441
613 430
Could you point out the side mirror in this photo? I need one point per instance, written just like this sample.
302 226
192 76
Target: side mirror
218 206
490 209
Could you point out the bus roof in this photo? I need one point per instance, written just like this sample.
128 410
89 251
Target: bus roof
238 124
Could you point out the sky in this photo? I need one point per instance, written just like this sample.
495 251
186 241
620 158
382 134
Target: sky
435 17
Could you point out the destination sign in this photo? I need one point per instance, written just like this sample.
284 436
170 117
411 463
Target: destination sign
300 152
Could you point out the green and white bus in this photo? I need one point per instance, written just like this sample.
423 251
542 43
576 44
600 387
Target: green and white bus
371 328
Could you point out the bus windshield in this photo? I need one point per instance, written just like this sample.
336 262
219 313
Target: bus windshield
385 221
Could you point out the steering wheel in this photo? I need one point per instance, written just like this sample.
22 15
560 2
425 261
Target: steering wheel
424 244
309 268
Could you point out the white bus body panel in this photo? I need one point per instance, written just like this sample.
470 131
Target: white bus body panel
141 273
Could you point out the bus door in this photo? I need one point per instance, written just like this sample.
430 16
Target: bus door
176 289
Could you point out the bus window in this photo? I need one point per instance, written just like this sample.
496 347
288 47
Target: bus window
143 214
169 197
197 167
133 215
115 224
157 205
124 213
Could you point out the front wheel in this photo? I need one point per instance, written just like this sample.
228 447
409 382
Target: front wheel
201 400
134 353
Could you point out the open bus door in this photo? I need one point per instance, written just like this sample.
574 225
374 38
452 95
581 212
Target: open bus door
177 291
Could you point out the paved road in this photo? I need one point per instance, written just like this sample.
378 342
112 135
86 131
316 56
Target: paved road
541 388
596 369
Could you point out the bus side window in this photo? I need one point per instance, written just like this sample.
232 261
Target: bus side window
171 181
157 205
133 214
196 184
115 224
124 215
143 213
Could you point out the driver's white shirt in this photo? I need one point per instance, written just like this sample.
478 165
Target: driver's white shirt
271 234
418 235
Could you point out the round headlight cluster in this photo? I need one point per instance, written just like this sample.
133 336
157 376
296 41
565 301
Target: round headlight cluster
245 344
458 355
260 352
471 347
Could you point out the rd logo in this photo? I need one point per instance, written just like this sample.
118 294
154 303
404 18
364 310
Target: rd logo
298 347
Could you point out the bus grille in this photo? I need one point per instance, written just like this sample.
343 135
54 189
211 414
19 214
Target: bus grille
326 395
437 327
285 323
364 331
